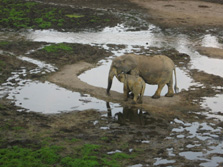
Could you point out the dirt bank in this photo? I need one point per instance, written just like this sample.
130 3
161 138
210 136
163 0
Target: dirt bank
177 13
211 52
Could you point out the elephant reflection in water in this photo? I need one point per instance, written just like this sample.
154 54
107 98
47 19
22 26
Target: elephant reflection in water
129 114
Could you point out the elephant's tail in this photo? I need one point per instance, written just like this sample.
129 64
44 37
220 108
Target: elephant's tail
175 87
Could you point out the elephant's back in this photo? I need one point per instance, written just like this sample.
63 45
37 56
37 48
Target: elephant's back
157 62
155 68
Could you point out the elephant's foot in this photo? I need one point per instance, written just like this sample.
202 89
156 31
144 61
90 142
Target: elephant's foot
156 96
169 95
133 102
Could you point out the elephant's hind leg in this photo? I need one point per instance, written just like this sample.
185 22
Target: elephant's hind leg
158 91
170 92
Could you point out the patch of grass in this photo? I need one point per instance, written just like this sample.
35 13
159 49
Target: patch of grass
2 107
87 155
17 128
104 138
3 43
121 156
74 140
2 65
57 47
20 157
18 14
22 14
74 16
86 158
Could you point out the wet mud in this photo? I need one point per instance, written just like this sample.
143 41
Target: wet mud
47 94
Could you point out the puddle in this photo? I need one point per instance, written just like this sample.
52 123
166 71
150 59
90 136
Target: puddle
42 66
203 133
160 161
214 105
49 98
208 65
115 35
210 41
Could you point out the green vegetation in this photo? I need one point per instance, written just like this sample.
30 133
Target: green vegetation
20 157
105 138
22 14
57 47
3 43
86 156
2 65
74 16
17 14
2 107
89 156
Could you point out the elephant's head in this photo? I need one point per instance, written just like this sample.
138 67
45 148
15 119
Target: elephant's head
123 64
121 77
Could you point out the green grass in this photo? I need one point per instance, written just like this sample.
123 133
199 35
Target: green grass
22 14
2 107
74 16
19 14
86 158
3 43
2 65
57 47
87 155
20 157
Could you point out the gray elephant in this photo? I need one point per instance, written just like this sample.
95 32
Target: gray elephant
134 84
154 70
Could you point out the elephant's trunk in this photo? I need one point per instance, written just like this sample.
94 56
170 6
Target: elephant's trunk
111 75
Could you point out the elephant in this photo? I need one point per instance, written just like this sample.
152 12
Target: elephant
157 69
134 84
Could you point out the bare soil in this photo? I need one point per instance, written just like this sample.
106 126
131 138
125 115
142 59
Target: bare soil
189 13
211 52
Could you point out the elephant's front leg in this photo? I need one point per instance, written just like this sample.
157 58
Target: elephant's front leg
158 91
126 92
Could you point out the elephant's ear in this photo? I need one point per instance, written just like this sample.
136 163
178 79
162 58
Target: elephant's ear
129 64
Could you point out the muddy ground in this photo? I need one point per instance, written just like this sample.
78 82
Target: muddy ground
143 135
